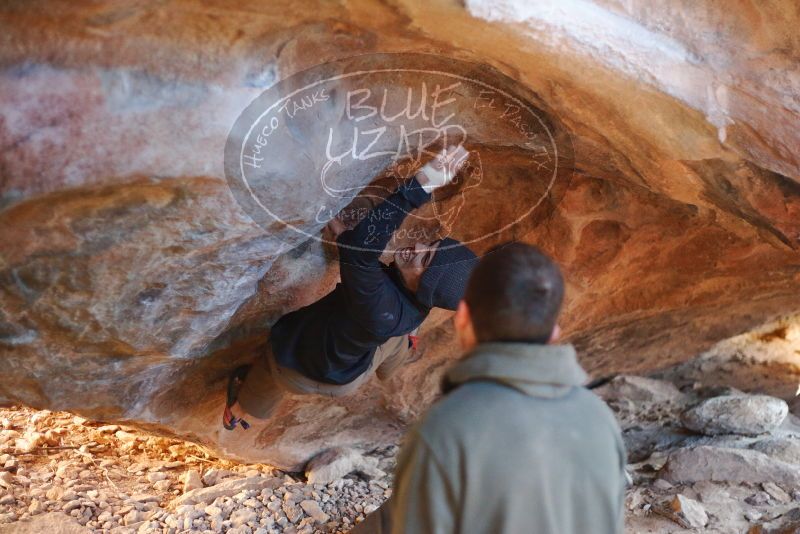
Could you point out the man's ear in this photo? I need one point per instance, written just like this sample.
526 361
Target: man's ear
462 319
555 335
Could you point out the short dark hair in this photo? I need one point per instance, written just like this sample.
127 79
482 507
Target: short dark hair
515 294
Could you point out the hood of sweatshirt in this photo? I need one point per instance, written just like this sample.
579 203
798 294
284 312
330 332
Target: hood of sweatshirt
531 368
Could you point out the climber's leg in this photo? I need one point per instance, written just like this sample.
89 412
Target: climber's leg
393 354
259 395
299 384
230 415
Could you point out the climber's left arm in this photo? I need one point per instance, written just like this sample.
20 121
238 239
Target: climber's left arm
371 299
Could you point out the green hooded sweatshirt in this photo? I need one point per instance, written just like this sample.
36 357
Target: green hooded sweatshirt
516 446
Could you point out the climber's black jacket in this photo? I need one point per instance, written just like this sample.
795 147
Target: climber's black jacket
334 339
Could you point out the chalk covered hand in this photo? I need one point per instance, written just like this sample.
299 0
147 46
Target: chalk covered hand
442 169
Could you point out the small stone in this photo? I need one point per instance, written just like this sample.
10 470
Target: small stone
212 510
314 511
36 507
155 477
6 479
759 498
752 515
162 485
7 499
144 498
148 527
191 481
137 468
274 506
293 513
72 505
686 512
662 485
243 516
125 436
776 492
210 476
133 517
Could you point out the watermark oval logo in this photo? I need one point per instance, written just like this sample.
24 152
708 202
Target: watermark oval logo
337 139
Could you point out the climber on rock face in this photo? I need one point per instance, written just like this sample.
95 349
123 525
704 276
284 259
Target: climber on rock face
362 327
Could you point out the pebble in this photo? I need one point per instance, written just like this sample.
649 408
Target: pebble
685 511
753 515
662 485
71 505
293 513
162 485
242 517
156 477
191 481
776 492
314 511
134 516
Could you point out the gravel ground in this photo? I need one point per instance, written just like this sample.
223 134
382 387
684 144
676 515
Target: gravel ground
62 473
112 478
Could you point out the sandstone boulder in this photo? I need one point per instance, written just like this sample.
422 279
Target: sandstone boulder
133 279
736 414
640 389
786 449
718 464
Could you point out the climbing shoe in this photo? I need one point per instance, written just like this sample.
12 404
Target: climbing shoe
235 382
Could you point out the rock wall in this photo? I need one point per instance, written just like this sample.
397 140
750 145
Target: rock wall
132 282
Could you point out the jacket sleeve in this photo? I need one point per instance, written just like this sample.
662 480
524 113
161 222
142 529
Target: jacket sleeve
623 485
371 299
424 500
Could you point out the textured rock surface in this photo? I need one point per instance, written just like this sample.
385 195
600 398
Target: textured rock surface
787 450
720 464
736 414
131 282
687 512
54 523
640 389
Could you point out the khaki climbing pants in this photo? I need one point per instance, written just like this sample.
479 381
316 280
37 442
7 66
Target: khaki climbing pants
267 381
